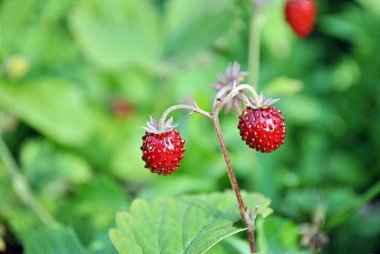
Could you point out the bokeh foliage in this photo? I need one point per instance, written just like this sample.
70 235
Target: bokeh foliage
79 78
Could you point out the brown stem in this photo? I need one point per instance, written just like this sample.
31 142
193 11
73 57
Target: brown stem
243 209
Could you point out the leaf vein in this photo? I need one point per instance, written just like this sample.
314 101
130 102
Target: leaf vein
162 215
218 201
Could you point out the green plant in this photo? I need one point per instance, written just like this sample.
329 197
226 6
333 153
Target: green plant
231 90
79 78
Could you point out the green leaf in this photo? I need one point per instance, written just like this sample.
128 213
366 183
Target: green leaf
303 109
188 224
92 209
11 27
38 23
52 106
57 51
193 25
57 240
278 236
339 204
345 168
343 24
276 34
231 245
283 86
175 186
103 195
116 33
51 169
6 193
371 5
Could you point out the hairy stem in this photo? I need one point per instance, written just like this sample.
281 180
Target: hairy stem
21 187
243 209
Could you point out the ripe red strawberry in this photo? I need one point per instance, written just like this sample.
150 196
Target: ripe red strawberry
300 14
162 151
262 128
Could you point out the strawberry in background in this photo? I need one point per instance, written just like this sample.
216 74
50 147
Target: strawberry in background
300 15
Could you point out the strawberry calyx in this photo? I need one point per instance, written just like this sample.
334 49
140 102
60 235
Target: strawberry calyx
153 126
262 102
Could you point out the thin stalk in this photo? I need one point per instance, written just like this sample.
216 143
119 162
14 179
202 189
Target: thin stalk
21 187
193 108
365 198
370 194
246 100
243 209
234 92
222 92
254 46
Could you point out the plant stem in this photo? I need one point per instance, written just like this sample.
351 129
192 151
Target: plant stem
254 46
21 187
194 108
243 209
370 194
219 103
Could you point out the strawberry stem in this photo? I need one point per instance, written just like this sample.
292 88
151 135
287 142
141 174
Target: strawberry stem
246 100
243 209
194 108
219 102
223 91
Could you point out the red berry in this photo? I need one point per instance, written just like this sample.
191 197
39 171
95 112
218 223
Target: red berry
300 14
262 129
162 152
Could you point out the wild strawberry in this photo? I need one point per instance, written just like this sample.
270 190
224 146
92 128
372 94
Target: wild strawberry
300 14
162 150
262 126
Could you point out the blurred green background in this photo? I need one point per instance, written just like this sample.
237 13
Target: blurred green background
79 78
